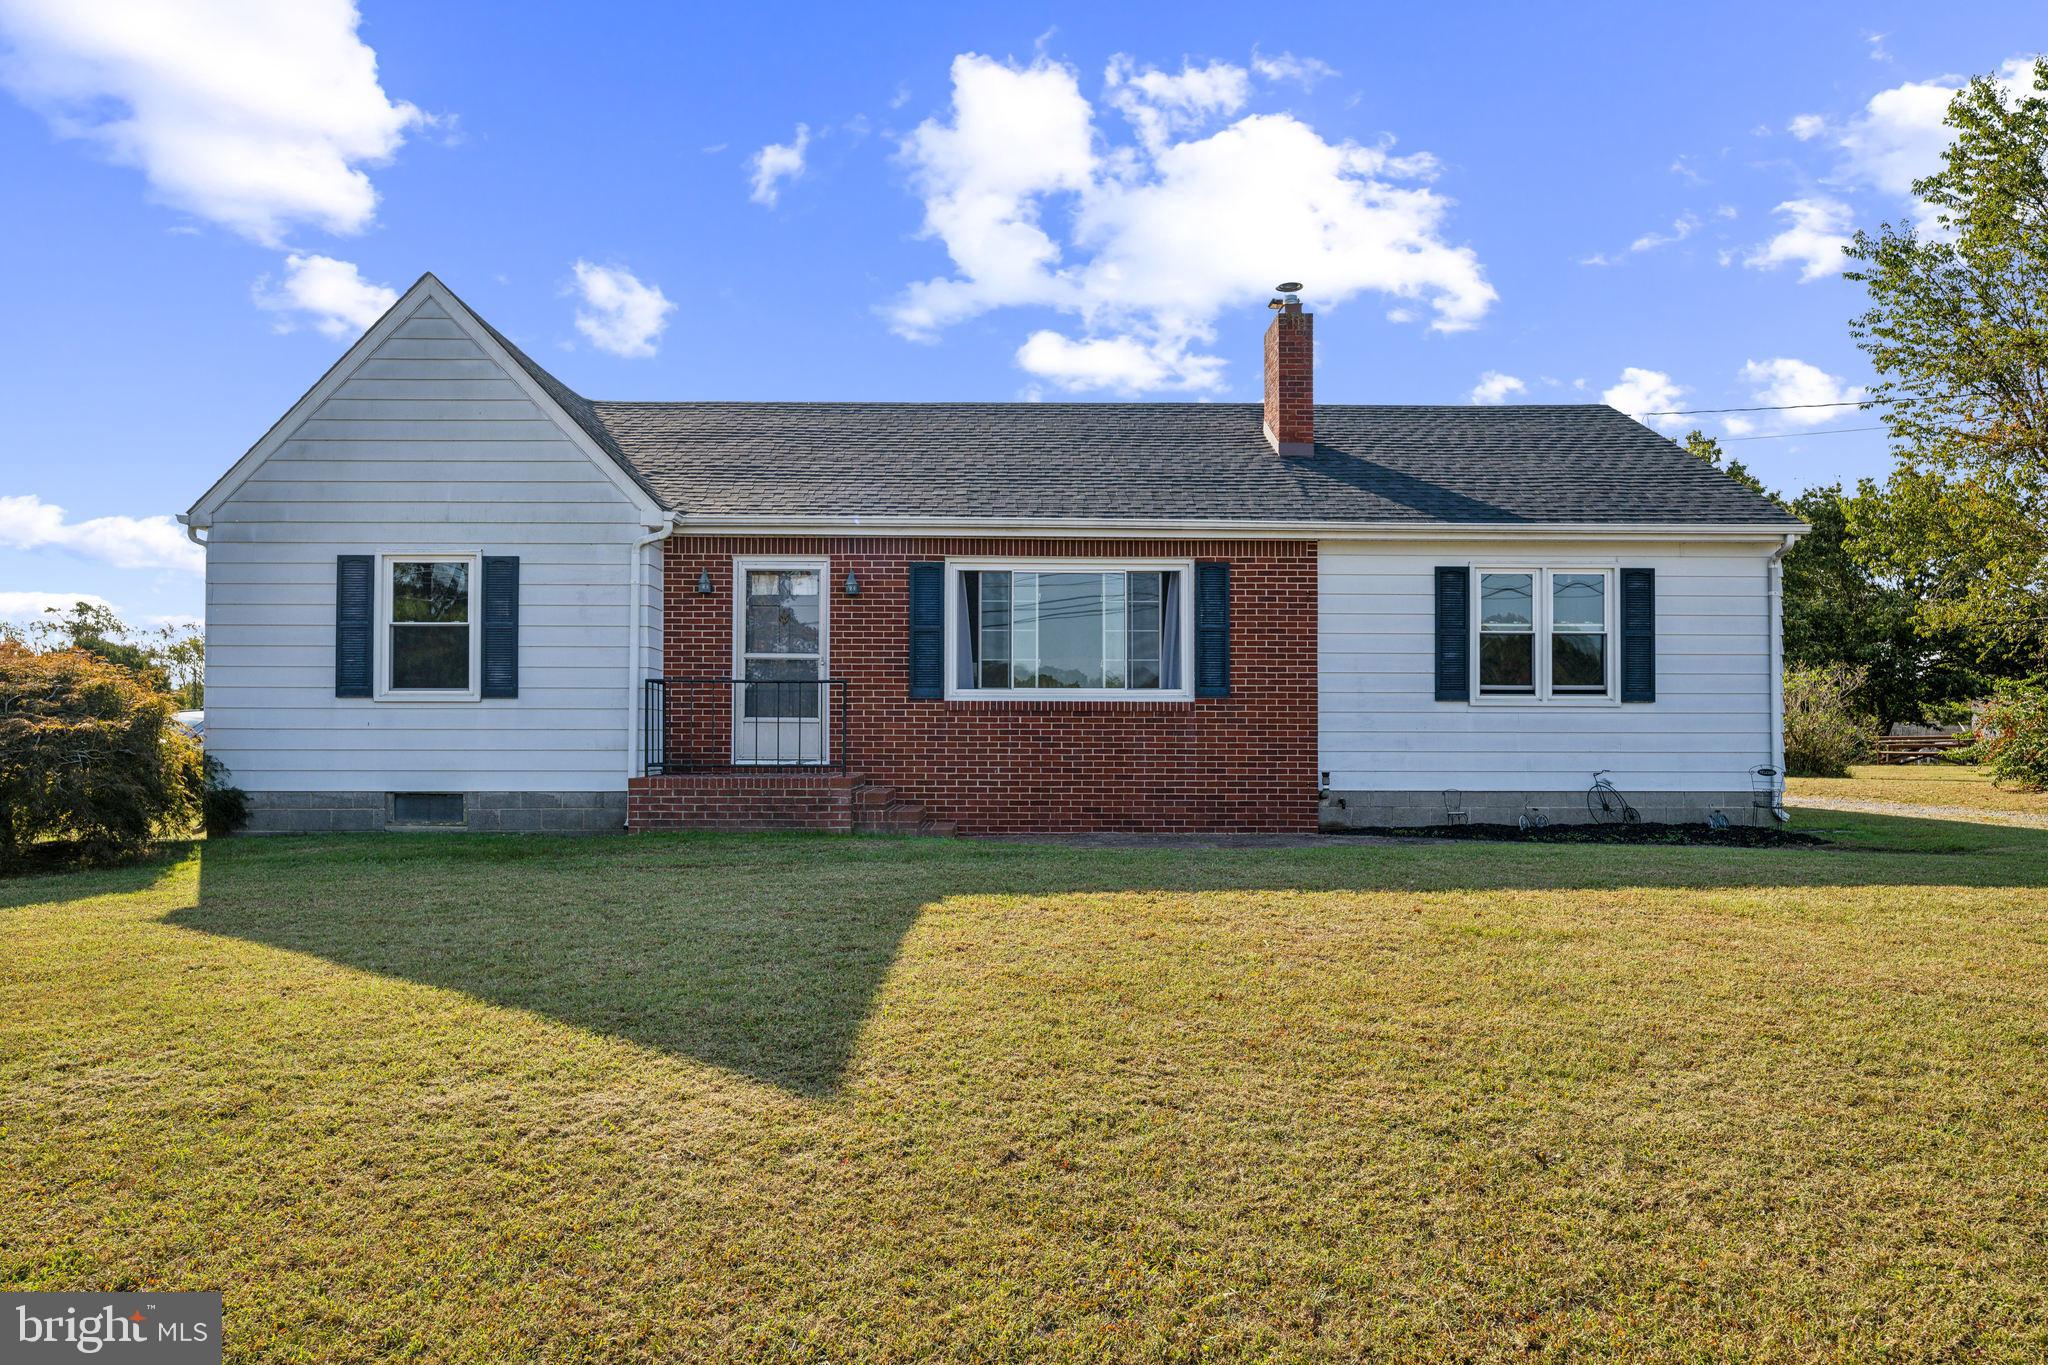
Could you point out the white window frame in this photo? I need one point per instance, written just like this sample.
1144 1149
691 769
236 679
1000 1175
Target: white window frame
1184 567
386 655
1540 612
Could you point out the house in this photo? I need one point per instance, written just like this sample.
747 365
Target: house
447 590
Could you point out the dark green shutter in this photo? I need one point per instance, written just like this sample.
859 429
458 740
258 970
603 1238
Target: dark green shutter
501 626
1212 630
1453 633
1639 635
927 632
355 612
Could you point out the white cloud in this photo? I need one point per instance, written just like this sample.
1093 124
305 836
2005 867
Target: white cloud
1878 52
29 523
25 607
1640 392
1494 387
777 162
1682 227
1159 105
331 294
1788 383
620 314
1817 230
902 95
1807 127
1899 136
1302 71
248 113
1149 243
1123 364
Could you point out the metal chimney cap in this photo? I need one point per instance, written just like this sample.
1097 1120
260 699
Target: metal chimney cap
1293 288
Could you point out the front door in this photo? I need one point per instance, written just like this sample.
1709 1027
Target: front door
780 713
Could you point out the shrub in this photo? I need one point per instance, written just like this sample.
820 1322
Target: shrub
88 753
1825 731
223 807
2015 743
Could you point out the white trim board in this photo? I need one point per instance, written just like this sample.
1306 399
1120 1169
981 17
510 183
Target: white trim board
1136 528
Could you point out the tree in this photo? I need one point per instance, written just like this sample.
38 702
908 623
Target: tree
88 753
170 659
1839 611
1957 331
1698 443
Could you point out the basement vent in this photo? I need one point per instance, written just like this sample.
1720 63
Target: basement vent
426 808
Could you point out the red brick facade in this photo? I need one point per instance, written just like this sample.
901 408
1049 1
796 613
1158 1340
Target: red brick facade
1290 379
1242 762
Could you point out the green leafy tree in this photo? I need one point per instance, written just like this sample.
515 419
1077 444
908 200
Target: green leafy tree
1698 443
88 756
1957 331
1839 611
170 659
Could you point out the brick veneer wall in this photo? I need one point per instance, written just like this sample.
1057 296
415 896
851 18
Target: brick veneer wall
1242 762
742 801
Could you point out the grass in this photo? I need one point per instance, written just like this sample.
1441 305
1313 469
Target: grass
482 1099
1924 784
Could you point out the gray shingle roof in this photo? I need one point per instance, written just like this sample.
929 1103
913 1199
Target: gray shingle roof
1172 461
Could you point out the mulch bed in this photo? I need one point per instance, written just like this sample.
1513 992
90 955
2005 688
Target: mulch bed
1736 836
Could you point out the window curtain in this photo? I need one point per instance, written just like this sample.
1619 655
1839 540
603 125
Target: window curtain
966 639
1169 644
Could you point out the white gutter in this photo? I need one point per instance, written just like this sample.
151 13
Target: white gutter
1162 528
1774 593
636 660
192 528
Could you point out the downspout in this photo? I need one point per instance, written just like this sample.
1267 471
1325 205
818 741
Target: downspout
636 658
1774 592
192 529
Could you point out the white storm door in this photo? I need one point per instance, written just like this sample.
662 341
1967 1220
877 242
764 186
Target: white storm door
780 711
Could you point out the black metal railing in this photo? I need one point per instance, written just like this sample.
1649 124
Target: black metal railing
701 724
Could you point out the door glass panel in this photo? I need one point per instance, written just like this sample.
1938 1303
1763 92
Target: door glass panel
782 689
782 611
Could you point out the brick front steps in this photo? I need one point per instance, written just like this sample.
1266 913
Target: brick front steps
835 802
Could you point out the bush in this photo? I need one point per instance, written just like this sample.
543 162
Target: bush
223 807
1825 731
2015 744
88 753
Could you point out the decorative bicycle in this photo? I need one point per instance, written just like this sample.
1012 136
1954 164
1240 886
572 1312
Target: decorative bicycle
1608 806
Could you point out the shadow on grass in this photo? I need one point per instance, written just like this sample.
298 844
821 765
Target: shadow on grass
731 965
54 877
764 955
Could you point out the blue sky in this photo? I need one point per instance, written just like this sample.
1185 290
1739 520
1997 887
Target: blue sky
931 202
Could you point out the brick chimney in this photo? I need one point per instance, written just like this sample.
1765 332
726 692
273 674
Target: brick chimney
1291 376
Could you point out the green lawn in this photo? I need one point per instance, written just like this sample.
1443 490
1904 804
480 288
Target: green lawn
1922 784
479 1099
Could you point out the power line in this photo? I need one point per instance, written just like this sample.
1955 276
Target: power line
1768 407
1789 435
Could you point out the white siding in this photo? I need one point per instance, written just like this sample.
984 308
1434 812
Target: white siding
1382 729
427 445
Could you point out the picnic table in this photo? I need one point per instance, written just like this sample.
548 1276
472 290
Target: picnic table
1914 748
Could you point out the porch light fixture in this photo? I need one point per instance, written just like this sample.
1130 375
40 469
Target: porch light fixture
852 584
704 583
